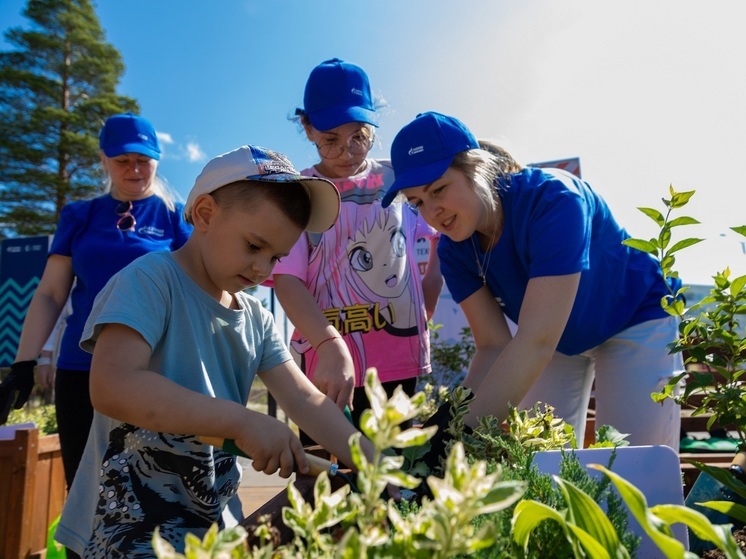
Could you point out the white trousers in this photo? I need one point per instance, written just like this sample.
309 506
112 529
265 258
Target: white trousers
627 369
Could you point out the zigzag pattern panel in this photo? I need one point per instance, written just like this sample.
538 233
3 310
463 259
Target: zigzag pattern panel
22 262
14 302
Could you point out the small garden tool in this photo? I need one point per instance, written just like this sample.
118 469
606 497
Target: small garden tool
316 463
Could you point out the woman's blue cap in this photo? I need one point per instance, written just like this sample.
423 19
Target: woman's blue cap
424 149
338 92
129 133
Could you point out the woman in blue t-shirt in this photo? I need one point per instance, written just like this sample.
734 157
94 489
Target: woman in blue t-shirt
94 239
540 248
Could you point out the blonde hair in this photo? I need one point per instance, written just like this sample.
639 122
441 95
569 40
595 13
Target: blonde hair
506 161
484 167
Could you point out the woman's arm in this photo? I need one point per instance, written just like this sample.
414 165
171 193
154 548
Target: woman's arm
122 387
334 374
504 369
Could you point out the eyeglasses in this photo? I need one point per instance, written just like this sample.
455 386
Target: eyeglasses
126 221
356 146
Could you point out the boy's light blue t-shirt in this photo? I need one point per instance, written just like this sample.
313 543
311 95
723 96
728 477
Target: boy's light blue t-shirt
166 479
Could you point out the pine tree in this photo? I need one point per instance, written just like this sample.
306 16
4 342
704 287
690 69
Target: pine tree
56 90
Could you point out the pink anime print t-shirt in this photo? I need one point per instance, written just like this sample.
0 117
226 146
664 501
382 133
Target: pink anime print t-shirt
363 273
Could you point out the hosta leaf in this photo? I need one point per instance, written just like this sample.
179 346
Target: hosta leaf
592 547
698 523
585 513
658 530
528 515
734 510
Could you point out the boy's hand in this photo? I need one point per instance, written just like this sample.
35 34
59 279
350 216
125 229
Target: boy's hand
335 372
272 447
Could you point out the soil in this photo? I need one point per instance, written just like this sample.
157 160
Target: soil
740 537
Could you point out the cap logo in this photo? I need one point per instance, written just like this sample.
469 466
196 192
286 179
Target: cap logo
414 151
274 168
356 91
143 137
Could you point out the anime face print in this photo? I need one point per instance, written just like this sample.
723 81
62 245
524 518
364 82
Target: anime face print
378 255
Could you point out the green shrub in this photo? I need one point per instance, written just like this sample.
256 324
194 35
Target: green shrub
43 416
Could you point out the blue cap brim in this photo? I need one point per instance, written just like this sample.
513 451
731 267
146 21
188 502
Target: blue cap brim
417 176
337 116
113 151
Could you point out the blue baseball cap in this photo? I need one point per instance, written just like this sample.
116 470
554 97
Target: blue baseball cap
338 92
129 133
424 149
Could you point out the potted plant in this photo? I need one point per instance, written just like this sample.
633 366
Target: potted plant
713 340
479 508
711 330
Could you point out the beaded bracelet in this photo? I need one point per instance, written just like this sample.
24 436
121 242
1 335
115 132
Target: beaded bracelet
330 338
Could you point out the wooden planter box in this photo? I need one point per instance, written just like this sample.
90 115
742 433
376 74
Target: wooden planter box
32 492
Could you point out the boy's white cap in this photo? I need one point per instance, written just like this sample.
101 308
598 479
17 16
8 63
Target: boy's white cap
260 164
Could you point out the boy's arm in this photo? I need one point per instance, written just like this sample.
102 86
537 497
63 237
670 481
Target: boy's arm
122 387
312 411
334 374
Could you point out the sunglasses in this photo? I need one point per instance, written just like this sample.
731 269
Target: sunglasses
126 220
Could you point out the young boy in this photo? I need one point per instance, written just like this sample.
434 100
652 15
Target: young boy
176 344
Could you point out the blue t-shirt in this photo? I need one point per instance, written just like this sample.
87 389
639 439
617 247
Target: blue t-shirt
555 224
87 232
131 480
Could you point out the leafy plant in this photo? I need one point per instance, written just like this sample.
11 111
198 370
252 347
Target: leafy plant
480 508
657 521
450 361
711 330
45 418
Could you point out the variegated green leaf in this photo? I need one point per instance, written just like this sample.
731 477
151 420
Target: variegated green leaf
585 513
701 526
658 530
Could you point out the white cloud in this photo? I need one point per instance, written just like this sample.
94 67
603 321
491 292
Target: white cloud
164 137
194 152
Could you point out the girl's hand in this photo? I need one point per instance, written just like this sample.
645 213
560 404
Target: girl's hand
335 372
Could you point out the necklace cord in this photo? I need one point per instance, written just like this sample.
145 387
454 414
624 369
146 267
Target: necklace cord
484 263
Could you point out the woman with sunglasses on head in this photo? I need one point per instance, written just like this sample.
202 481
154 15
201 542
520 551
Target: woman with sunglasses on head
355 294
94 239
540 247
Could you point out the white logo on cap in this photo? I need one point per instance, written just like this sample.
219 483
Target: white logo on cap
274 168
418 149
356 91
143 137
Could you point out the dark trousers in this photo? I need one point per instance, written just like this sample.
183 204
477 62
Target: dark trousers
74 417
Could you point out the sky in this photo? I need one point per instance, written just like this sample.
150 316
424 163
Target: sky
647 93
